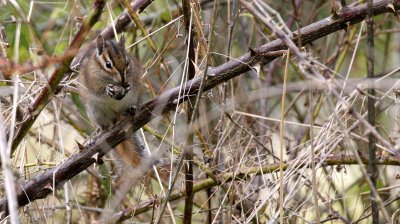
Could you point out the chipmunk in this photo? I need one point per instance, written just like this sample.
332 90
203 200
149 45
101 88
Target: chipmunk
110 85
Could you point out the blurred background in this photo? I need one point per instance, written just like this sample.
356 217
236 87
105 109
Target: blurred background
237 138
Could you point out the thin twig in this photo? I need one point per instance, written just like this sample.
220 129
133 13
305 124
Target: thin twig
372 168
189 73
281 142
313 162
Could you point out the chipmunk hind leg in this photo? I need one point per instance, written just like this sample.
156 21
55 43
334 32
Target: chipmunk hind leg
128 152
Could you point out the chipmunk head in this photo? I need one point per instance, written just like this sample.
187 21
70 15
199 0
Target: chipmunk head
113 59
114 64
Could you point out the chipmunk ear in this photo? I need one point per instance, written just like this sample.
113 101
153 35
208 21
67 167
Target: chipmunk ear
122 41
101 44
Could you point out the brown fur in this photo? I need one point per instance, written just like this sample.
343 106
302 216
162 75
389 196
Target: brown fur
102 109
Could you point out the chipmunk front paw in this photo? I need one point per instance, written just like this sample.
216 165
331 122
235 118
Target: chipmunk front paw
91 141
115 91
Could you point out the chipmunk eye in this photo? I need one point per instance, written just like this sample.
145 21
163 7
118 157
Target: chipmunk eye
108 64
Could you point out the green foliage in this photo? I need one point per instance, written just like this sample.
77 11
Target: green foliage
24 41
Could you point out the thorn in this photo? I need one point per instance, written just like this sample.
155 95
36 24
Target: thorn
97 156
338 9
48 186
80 146
335 8
257 69
252 52
346 25
335 15
99 160
390 6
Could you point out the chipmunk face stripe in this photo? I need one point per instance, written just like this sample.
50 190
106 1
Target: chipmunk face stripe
119 60
112 57
108 64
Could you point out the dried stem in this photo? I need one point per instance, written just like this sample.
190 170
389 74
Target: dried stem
372 168
243 174
189 73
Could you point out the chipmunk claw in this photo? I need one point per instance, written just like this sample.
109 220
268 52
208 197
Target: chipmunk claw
131 110
90 143
91 140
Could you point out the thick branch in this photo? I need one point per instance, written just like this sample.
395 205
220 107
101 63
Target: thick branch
41 185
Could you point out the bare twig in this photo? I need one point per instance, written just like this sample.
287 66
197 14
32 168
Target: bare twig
372 168
281 146
9 179
313 162
188 73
